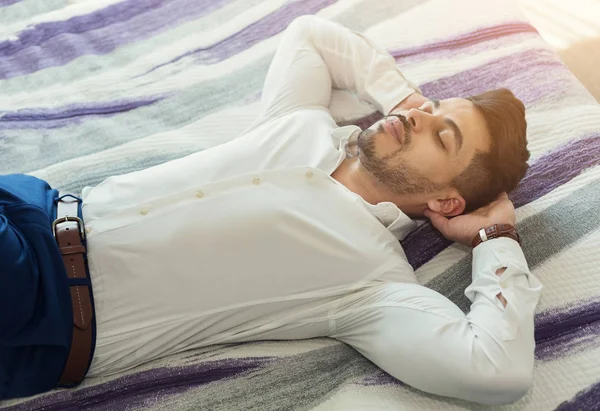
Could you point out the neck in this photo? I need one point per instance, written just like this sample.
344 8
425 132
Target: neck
356 179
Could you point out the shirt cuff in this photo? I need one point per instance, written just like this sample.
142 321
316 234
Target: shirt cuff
391 89
386 86
518 285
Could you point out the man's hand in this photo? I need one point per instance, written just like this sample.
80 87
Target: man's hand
463 228
414 100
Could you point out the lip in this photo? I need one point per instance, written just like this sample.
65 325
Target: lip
394 126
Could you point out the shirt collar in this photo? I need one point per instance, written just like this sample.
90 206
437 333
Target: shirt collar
398 223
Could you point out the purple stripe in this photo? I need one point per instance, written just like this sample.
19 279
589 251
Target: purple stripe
35 118
268 26
474 37
516 72
143 388
57 43
422 244
549 172
381 378
4 3
557 168
585 400
567 330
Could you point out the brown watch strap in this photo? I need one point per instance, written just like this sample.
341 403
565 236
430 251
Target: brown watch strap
495 231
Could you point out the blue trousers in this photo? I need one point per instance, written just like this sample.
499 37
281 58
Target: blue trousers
36 320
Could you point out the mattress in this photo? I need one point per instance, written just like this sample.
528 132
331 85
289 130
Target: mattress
90 89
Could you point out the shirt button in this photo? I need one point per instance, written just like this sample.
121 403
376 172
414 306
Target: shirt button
143 211
199 194
501 250
256 181
503 284
309 174
88 230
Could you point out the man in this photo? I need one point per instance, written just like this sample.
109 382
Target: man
291 231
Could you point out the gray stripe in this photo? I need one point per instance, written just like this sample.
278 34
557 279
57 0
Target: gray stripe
97 134
73 180
295 382
543 235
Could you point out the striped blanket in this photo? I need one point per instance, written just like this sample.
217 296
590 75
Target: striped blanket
93 88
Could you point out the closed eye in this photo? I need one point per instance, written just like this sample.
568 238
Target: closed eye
440 141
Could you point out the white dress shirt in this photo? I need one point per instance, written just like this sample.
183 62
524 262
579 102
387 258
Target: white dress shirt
254 239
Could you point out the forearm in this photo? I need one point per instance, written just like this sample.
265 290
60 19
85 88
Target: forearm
421 338
316 55
502 287
499 331
355 63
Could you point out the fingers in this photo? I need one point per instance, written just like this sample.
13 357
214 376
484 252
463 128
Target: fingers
439 221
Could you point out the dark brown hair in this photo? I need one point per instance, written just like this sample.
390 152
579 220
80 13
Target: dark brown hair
500 169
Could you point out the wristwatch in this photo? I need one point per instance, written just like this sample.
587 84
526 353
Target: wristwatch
495 231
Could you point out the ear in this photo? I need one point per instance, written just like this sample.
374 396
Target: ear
449 206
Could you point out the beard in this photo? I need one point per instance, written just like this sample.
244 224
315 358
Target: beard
396 175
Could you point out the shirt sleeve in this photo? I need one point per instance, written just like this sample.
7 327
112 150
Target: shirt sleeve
420 337
520 288
316 55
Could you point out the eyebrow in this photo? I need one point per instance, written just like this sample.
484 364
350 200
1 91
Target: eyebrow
458 135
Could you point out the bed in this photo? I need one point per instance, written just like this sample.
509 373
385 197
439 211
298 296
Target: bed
90 89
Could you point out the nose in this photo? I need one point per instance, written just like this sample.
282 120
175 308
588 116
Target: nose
418 119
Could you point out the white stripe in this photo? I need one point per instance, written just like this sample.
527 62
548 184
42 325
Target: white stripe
572 274
548 129
209 131
71 10
443 21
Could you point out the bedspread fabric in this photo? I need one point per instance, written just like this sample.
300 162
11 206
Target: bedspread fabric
94 88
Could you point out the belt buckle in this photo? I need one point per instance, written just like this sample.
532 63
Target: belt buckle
66 218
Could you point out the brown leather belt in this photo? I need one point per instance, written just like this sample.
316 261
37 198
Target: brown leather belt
69 232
